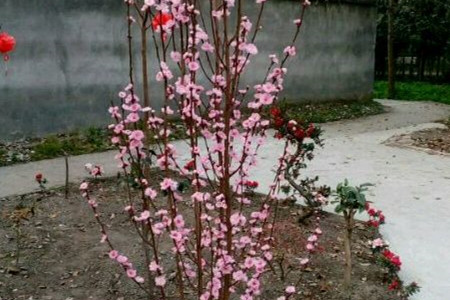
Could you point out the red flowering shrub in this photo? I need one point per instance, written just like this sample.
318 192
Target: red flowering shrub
251 185
303 138
376 217
392 258
39 178
293 130
386 257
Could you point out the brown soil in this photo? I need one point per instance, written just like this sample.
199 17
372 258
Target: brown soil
62 259
432 141
436 139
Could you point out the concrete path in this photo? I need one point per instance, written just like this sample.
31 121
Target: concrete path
412 187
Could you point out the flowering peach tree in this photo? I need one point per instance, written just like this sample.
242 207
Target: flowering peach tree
222 245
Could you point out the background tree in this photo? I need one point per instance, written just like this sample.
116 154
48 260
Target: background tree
421 30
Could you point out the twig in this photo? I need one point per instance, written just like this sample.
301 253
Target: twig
66 160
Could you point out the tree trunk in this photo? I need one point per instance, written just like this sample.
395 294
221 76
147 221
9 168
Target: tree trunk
146 91
391 56
66 188
348 250
422 63
145 71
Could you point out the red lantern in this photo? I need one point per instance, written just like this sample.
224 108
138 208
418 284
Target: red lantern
7 44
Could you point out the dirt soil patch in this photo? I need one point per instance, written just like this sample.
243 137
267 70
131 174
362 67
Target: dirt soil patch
437 139
433 141
62 257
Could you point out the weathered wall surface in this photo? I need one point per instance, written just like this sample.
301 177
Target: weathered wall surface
71 59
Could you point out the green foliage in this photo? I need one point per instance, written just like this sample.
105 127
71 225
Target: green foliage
74 143
350 198
415 91
96 137
323 112
411 289
422 27
183 186
286 189
51 147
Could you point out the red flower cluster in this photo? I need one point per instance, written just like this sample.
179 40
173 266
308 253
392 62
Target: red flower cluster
251 184
392 258
291 129
376 217
39 177
394 285
277 118
190 165
275 112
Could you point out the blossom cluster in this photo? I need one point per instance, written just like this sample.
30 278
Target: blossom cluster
393 259
94 170
313 239
126 264
376 217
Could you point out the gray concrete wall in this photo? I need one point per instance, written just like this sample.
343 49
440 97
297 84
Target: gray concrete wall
71 59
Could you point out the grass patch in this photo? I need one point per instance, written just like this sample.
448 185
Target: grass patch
75 143
415 91
323 112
